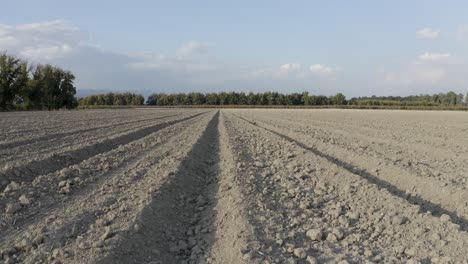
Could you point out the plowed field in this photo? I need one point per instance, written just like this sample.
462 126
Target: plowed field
233 186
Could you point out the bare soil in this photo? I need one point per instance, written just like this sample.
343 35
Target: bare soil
233 186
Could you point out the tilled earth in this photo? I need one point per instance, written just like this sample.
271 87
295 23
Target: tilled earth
233 186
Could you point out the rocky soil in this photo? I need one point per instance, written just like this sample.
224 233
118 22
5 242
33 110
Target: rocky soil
233 186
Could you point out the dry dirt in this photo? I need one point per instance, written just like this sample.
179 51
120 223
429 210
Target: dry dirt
233 186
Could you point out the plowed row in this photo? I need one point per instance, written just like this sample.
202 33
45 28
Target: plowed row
233 186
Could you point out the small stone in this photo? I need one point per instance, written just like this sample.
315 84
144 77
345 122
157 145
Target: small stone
335 213
65 190
398 220
107 233
173 249
98 244
420 230
338 233
13 186
315 234
446 260
332 237
410 251
247 256
23 200
102 222
12 208
445 218
137 228
62 184
25 244
83 245
64 173
353 215
182 245
259 164
57 253
311 260
39 239
300 253
191 242
400 249
436 236
443 243
342 220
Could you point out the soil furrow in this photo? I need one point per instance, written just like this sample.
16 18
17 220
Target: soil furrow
442 165
90 176
177 222
15 144
234 186
309 209
74 229
56 162
435 209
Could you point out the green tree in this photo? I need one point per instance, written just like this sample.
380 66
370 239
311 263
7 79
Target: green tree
13 79
223 98
100 99
252 99
262 99
52 88
109 99
212 99
338 99
198 98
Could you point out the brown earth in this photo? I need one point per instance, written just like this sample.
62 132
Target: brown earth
234 186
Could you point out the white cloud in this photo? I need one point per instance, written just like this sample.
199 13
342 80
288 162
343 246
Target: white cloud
156 61
187 67
288 68
7 41
45 40
428 33
320 69
47 26
434 56
462 32
4 30
46 53
193 47
415 76
431 73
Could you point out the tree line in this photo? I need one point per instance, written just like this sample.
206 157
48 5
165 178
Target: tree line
28 87
440 99
44 86
234 98
297 99
112 99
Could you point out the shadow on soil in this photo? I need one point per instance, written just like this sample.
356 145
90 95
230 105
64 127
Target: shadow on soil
425 205
166 220
31 170
16 144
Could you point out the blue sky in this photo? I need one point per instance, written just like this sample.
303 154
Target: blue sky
324 47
